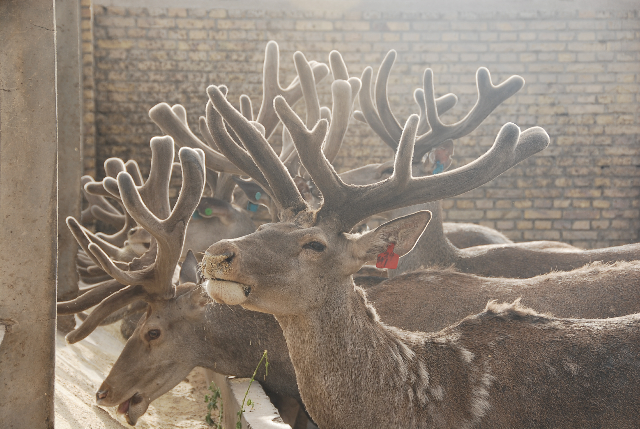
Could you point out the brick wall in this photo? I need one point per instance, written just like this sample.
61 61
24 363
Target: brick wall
581 68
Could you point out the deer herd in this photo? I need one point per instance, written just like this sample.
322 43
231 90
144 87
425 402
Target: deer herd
470 331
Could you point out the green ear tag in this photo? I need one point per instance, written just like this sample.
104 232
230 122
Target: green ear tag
208 211
258 195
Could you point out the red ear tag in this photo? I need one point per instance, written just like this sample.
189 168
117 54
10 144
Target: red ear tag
388 259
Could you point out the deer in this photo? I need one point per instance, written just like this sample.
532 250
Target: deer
355 371
435 143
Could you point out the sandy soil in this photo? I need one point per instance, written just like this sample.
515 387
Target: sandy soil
80 369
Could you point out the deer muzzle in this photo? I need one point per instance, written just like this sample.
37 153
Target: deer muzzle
214 268
227 292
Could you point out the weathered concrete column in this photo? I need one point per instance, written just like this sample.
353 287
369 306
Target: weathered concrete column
28 226
69 146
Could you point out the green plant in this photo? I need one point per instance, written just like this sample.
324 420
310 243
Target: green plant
212 404
249 402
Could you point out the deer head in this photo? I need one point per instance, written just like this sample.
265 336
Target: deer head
162 351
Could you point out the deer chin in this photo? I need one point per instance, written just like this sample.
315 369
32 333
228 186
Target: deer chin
133 408
227 292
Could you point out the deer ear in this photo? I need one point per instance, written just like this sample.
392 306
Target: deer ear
189 269
402 232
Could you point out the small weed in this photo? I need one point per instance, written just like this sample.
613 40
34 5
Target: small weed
212 404
249 401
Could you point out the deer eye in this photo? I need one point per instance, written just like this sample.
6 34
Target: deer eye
315 246
153 334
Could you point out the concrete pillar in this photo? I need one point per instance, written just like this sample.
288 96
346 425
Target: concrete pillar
69 146
28 225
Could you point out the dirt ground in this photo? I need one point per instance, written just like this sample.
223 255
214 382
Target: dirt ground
81 368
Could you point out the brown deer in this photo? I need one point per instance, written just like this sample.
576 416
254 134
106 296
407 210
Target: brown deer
434 247
505 367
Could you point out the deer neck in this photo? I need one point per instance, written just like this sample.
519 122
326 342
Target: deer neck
232 343
353 371
433 248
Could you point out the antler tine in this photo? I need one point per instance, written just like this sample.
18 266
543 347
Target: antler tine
97 201
384 110
155 191
90 298
109 305
313 111
341 114
271 87
85 238
164 116
338 66
117 220
369 112
232 150
308 86
202 123
133 169
444 104
181 113
192 162
309 144
489 97
245 107
283 189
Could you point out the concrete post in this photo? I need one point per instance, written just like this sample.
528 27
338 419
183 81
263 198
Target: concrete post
69 146
28 226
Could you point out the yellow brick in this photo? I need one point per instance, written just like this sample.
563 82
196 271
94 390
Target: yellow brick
314 25
115 44
581 203
542 224
398 26
464 204
524 224
523 204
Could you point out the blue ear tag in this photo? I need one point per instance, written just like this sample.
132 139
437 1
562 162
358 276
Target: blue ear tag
252 207
196 215
439 168
258 195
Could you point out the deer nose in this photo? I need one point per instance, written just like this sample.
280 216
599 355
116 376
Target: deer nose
101 394
103 391
218 258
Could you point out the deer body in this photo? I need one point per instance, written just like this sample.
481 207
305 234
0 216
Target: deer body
355 372
515 260
463 235
432 299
